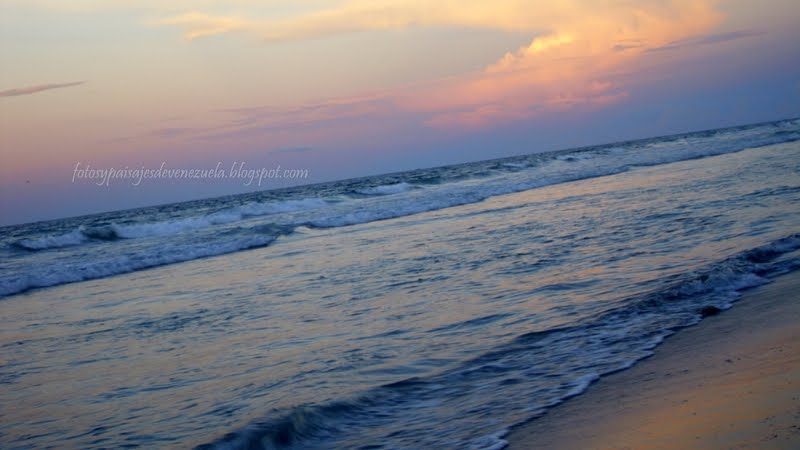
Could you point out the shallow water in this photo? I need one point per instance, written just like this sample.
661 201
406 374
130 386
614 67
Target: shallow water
437 329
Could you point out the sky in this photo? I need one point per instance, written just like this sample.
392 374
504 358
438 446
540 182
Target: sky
338 89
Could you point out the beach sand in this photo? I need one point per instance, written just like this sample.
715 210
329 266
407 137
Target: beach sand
733 381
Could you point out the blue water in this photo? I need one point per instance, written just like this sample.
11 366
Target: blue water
425 309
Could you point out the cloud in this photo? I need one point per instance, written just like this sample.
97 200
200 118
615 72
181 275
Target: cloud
575 65
271 120
328 111
197 25
630 44
708 40
367 15
353 16
35 89
574 59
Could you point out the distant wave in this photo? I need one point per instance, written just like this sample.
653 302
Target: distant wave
230 215
330 208
89 269
263 209
84 234
576 157
387 189
583 164
75 237
646 152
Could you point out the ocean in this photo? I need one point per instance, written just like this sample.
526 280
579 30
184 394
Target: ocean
435 308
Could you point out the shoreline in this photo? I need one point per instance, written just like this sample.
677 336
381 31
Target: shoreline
731 381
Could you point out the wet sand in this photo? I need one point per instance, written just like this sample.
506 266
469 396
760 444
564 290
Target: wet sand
733 381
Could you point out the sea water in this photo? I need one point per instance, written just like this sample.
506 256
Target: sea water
426 309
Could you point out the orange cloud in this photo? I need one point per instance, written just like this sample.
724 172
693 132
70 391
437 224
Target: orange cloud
370 15
197 25
378 15
573 61
574 65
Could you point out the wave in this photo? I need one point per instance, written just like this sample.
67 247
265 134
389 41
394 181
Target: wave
582 164
393 200
547 366
144 230
87 234
263 209
226 216
148 257
75 237
387 189
576 157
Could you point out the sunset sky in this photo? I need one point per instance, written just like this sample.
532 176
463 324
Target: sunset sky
350 88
